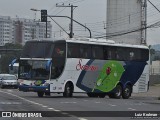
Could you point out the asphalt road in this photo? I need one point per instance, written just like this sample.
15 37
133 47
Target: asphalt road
56 105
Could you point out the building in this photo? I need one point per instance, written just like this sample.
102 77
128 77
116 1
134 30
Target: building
20 30
6 30
155 68
126 21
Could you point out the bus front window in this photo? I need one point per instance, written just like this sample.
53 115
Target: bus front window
33 70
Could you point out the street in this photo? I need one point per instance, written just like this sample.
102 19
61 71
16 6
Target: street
63 108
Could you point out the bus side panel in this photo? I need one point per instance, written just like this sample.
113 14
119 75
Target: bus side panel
143 82
102 79
133 71
71 73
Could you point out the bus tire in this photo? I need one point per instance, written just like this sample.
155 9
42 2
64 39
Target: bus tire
92 95
40 94
68 91
117 93
127 92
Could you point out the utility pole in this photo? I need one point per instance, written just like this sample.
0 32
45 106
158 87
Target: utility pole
72 8
144 22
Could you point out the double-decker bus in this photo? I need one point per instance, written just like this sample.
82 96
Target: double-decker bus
97 67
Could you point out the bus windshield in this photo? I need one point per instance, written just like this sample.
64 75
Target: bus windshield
33 70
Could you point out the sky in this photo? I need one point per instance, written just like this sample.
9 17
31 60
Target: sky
90 12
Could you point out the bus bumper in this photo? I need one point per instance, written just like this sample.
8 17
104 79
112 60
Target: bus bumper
34 88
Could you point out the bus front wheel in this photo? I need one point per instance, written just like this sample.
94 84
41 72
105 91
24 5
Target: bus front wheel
40 94
127 92
68 91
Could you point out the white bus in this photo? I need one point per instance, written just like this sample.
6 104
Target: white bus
95 66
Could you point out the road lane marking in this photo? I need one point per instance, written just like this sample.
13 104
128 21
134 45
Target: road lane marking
11 103
82 119
68 102
131 109
57 110
44 106
112 105
64 113
10 90
24 99
97 102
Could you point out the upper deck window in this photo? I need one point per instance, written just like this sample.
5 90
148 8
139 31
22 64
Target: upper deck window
37 50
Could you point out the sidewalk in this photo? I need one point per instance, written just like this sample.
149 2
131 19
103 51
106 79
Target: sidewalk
154 91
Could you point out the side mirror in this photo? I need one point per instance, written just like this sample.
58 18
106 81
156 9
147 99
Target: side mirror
48 65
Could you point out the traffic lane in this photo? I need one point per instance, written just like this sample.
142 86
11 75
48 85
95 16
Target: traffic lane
11 102
10 94
71 103
80 102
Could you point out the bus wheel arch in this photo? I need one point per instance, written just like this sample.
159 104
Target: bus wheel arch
127 91
68 89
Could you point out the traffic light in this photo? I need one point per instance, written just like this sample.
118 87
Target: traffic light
43 15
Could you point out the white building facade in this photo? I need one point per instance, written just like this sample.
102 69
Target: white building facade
6 30
20 30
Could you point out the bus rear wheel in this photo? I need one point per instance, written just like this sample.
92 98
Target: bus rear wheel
68 91
40 94
117 93
127 92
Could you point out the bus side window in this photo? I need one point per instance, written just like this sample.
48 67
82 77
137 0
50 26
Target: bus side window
97 52
73 50
59 50
107 53
85 51
131 55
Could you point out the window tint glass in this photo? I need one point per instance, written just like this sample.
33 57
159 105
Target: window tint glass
37 49
73 50
110 53
59 50
97 52
145 54
85 51
58 60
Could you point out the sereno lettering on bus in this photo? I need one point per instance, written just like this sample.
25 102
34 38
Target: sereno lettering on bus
86 67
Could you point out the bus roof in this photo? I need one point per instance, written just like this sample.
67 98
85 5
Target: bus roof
91 41
104 42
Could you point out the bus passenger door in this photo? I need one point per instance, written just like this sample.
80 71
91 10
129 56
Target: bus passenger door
53 80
